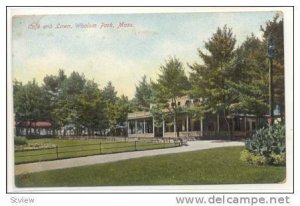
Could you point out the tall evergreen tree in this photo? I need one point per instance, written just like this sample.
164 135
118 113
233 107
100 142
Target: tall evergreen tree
250 85
110 97
172 83
29 104
143 93
210 80
92 108
67 110
51 88
110 93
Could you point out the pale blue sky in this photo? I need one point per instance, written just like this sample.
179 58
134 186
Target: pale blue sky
121 55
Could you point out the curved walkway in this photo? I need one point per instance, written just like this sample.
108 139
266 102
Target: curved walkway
98 159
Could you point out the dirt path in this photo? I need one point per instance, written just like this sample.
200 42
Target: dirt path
99 159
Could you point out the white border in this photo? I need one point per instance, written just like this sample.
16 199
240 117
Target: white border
253 188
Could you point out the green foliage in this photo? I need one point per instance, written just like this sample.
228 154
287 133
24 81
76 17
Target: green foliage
116 108
210 80
230 80
91 107
267 141
143 94
278 159
250 85
20 140
246 156
251 158
235 80
259 160
30 104
267 145
70 100
275 28
109 93
172 84
158 115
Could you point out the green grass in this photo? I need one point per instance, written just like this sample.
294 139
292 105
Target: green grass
78 148
213 166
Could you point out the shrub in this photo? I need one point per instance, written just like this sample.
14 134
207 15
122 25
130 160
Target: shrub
20 140
251 158
246 156
259 160
278 159
267 145
267 141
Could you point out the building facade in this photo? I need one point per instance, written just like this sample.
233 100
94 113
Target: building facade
143 125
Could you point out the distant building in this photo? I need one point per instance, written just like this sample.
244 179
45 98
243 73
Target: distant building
41 128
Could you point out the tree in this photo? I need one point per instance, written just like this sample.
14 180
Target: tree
109 93
121 110
67 110
210 80
110 98
70 102
29 103
51 89
250 85
143 93
172 83
92 108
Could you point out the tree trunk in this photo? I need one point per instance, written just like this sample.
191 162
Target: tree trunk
177 129
30 128
228 124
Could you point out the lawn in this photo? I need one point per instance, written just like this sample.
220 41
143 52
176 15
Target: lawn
213 166
81 147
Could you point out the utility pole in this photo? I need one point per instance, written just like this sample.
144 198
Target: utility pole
271 55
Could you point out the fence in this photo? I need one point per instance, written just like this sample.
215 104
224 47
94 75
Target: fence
62 152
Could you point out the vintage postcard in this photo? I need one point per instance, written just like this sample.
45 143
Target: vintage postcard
150 99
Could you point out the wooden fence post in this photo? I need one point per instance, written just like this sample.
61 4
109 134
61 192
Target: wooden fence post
100 148
135 145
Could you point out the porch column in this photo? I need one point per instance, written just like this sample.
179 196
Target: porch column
187 124
174 128
144 127
245 124
135 127
128 128
163 127
201 127
250 125
218 123
153 127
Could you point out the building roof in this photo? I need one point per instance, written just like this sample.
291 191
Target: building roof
183 101
138 115
36 124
